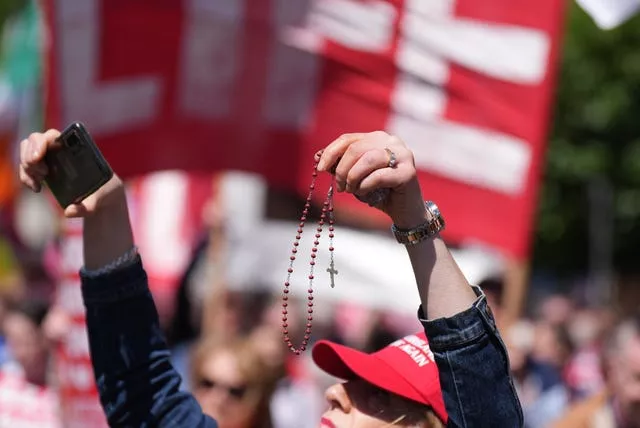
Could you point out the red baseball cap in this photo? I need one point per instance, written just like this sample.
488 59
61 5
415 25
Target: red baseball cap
405 367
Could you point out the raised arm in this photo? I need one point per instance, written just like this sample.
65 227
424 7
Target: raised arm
138 387
471 358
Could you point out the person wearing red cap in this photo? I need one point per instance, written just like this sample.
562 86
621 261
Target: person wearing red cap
397 385
465 354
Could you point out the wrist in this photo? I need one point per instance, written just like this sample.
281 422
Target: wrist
414 215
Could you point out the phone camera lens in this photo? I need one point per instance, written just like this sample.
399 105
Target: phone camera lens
73 141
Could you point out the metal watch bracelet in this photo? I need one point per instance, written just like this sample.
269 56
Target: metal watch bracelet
427 230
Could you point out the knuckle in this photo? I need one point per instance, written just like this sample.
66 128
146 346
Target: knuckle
34 136
395 140
379 134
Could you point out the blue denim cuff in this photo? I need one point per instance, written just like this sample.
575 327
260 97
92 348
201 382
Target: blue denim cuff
118 285
456 331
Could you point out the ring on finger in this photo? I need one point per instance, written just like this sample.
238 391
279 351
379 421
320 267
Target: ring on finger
393 161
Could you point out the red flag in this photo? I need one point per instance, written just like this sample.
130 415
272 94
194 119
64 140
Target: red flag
260 85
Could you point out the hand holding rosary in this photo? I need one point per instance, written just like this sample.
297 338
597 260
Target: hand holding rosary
326 216
365 165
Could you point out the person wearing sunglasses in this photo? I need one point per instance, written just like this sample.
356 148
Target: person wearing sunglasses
232 383
138 386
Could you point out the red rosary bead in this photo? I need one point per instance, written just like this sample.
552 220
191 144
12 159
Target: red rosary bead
326 216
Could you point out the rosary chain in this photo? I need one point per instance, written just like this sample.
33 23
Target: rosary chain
325 216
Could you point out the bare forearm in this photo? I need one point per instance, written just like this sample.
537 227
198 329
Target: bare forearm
107 234
444 291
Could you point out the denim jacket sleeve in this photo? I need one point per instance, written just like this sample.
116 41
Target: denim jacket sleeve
474 369
138 387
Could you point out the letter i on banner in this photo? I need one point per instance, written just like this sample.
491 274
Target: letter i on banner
78 394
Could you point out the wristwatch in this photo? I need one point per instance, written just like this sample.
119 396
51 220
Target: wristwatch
430 228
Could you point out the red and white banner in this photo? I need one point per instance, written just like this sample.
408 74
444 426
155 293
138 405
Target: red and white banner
261 85
78 395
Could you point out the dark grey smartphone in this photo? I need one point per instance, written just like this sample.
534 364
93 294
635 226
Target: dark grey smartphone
76 166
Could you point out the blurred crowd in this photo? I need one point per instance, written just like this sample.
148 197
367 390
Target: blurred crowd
228 346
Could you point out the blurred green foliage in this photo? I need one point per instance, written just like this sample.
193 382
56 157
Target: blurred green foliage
595 134
8 7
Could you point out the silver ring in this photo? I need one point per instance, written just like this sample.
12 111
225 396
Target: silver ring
393 162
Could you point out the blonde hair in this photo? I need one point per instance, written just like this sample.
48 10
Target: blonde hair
257 375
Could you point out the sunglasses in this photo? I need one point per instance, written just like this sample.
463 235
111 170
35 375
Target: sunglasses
237 392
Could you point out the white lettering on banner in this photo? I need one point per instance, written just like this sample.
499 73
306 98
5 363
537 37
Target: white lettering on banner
293 75
106 107
364 26
209 64
507 52
492 160
432 36
416 348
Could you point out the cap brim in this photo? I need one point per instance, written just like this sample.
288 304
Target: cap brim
349 364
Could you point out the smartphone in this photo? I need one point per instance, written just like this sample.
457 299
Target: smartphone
76 166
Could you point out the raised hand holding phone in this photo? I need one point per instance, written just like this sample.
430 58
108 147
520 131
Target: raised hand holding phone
70 164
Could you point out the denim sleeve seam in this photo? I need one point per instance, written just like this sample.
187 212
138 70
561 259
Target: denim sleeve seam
455 384
448 345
